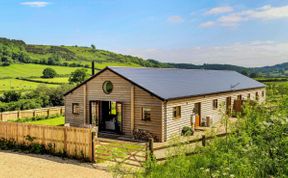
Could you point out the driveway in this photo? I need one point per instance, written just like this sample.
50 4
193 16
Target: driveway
44 166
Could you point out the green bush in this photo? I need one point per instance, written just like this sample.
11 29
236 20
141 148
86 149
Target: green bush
187 131
257 147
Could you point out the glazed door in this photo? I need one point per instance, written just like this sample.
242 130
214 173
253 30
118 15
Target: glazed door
94 113
228 105
197 111
119 117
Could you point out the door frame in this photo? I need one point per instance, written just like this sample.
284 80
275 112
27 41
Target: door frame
198 105
100 114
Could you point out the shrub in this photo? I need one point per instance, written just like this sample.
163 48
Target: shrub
78 76
49 73
10 96
187 131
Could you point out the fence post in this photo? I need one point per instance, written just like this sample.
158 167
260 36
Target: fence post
203 140
92 142
18 114
65 140
1 116
150 148
48 112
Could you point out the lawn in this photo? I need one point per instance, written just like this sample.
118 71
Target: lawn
14 84
31 70
53 122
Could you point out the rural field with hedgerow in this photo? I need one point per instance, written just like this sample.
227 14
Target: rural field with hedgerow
37 76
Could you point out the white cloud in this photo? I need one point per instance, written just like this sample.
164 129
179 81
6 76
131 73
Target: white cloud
207 24
266 12
35 3
256 53
219 10
175 19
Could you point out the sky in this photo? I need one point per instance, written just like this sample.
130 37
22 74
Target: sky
247 32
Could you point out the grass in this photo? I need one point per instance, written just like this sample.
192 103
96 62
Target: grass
31 70
14 84
52 122
58 79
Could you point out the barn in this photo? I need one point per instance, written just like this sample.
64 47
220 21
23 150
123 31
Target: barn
158 101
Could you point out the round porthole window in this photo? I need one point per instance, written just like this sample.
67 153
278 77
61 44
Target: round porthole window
107 87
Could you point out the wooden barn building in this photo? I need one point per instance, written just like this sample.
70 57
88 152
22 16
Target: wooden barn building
160 101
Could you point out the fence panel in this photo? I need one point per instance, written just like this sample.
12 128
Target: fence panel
76 142
14 115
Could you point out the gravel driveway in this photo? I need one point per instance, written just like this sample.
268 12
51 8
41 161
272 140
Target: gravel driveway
44 166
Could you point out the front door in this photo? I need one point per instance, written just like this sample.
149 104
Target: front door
107 115
228 105
197 112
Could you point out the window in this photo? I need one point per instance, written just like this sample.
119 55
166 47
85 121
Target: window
257 96
239 97
263 93
107 87
75 108
177 112
249 96
146 114
215 104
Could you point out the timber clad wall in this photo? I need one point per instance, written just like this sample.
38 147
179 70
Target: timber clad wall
77 96
144 99
121 93
174 126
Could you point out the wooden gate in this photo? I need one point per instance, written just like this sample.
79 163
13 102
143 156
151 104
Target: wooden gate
121 152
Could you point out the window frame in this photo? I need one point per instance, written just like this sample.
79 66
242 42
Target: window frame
176 112
257 95
74 110
143 113
215 104
263 93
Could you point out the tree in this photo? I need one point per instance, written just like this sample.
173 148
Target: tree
10 96
253 75
244 72
78 76
49 73
93 46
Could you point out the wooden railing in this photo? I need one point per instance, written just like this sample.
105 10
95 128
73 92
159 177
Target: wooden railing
45 112
75 142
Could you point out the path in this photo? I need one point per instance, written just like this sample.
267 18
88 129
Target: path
15 165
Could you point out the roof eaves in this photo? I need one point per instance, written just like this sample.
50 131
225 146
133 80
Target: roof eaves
205 94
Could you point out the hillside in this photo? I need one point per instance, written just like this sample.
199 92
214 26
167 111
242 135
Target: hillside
17 51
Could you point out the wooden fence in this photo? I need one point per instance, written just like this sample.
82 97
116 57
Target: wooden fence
199 141
75 142
14 115
120 152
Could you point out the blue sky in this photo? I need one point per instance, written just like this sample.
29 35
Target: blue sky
249 33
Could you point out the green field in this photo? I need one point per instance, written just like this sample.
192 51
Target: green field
58 80
53 122
31 70
14 84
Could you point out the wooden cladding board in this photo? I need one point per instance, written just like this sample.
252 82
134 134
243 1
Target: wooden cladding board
174 126
76 142
77 96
